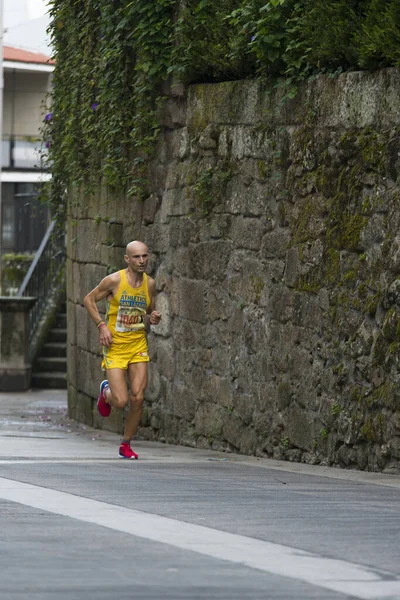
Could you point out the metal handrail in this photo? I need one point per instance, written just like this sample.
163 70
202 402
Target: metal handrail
44 273
35 261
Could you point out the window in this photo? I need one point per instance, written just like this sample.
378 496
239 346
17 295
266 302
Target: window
24 219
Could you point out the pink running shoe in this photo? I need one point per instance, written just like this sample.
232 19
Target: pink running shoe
102 405
125 451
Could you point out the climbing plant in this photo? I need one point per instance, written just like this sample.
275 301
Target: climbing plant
113 56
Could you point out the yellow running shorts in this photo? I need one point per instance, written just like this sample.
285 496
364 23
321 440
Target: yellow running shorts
120 356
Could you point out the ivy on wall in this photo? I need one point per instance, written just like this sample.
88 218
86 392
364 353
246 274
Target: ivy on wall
112 57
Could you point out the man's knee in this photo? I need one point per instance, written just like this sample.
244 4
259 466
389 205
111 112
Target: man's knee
137 398
119 400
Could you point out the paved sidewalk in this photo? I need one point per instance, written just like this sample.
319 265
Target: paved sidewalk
33 423
199 524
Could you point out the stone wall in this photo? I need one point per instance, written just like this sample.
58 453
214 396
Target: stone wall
274 227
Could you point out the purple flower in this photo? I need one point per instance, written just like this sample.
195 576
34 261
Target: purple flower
47 144
48 117
253 37
95 105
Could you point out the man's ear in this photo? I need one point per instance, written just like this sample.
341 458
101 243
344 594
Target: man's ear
126 257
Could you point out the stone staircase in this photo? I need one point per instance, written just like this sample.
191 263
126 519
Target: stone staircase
50 367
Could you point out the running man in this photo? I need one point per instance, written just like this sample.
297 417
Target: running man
130 296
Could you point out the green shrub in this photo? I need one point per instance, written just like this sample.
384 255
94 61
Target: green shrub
379 39
14 269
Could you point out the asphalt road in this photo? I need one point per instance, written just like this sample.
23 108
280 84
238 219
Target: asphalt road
77 523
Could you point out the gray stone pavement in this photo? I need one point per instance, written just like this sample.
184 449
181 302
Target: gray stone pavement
64 495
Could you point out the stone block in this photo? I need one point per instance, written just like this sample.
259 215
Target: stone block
88 373
219 303
128 211
71 322
209 420
188 331
249 200
247 142
89 276
154 383
93 343
15 367
225 142
150 208
165 358
84 409
394 255
281 304
72 401
89 238
227 102
91 205
75 283
256 200
249 441
72 227
115 422
157 237
183 402
182 262
175 202
163 306
247 233
183 232
395 447
218 228
183 145
292 266
70 291
209 259
112 258
306 311
189 297
220 390
275 243
82 327
300 428
232 430
163 279
71 364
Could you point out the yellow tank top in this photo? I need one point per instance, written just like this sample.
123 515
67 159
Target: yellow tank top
127 309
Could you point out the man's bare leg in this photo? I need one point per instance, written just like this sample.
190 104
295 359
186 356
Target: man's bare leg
117 392
137 373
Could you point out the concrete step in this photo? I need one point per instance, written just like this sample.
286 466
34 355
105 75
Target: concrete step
53 381
61 321
50 364
54 349
57 335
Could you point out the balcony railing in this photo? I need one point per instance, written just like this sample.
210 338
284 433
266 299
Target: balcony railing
21 153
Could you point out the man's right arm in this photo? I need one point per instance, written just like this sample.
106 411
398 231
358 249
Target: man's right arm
106 287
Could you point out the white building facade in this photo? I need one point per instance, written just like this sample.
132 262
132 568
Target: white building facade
27 83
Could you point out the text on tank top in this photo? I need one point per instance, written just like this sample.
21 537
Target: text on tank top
132 307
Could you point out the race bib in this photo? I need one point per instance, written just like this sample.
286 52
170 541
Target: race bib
130 319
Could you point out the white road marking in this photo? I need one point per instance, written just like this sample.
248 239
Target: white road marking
332 574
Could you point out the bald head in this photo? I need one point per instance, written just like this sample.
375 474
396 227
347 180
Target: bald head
136 247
